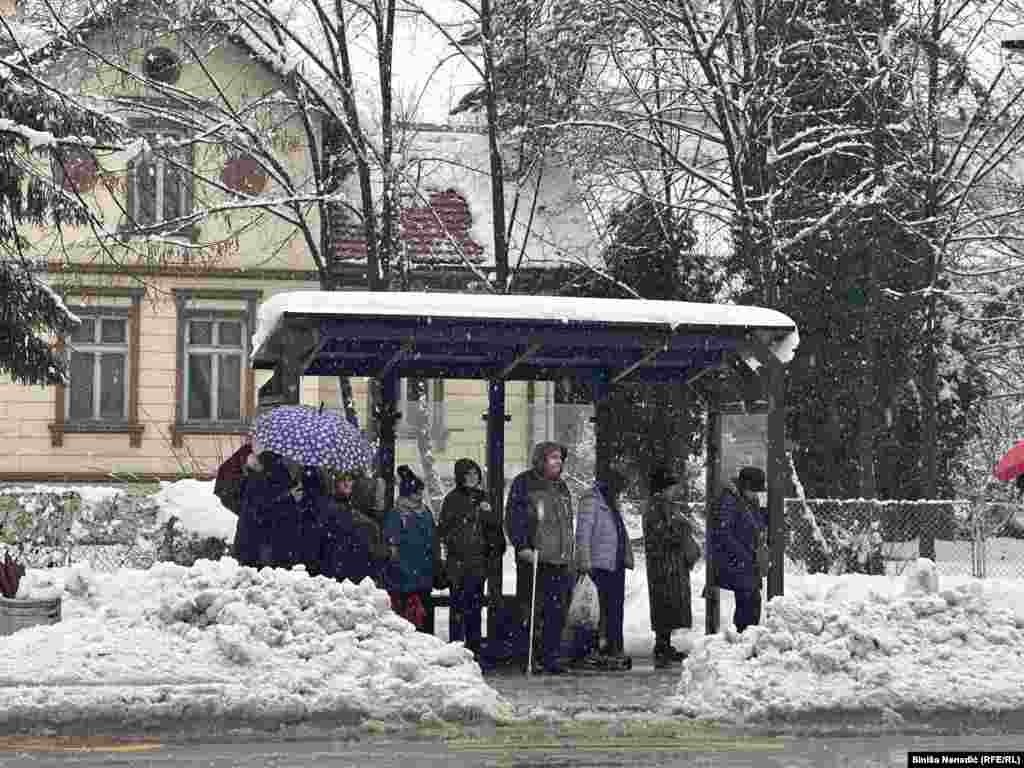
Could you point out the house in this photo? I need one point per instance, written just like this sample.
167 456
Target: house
168 282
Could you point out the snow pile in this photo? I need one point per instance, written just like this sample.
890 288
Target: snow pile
921 650
197 510
222 642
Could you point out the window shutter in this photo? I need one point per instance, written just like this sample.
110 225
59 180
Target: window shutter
130 201
146 183
189 182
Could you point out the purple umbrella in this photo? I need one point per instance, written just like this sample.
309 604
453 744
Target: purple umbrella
312 437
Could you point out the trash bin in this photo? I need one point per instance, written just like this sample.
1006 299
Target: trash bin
17 614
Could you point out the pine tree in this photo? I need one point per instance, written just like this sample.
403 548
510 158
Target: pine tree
652 250
31 314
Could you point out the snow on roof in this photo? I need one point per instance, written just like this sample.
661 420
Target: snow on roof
560 229
674 314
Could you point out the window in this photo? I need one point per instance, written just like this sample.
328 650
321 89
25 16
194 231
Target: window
412 412
160 187
214 351
214 388
102 394
98 362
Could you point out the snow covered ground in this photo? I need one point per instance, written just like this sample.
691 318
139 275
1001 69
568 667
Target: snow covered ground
218 642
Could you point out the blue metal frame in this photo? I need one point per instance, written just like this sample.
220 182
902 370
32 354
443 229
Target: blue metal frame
595 354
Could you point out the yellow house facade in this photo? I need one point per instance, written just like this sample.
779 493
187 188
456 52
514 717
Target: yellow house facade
159 384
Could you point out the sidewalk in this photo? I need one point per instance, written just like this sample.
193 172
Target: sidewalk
640 691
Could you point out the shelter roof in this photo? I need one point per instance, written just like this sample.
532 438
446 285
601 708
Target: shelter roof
508 336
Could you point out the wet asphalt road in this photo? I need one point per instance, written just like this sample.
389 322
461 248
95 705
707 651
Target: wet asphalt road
883 751
573 721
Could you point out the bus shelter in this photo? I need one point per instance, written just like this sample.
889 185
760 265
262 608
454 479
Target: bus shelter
499 338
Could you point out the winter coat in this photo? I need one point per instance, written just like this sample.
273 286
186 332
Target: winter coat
268 517
666 527
552 536
317 520
736 531
466 527
601 540
370 553
409 526
337 539
228 485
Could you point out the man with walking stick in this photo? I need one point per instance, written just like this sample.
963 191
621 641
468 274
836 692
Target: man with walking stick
538 518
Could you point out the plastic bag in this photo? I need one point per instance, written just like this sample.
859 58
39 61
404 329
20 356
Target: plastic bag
585 609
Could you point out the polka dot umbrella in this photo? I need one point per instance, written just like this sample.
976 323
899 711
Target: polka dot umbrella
313 437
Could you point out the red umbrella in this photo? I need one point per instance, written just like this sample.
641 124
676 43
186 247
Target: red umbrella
1012 464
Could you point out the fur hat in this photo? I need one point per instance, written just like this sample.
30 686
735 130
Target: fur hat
751 479
408 483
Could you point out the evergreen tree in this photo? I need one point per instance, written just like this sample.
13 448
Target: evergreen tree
652 252
32 123
841 203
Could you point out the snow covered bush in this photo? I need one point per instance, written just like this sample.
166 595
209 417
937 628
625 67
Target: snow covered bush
852 535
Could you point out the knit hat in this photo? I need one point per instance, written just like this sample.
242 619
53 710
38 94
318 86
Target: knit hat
662 478
751 479
408 483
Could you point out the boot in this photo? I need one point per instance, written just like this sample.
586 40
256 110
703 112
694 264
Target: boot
662 656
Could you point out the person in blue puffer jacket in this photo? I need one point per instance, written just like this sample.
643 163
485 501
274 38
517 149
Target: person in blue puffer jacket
603 552
409 534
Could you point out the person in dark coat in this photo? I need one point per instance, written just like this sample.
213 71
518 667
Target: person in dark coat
318 518
463 533
668 531
603 552
409 533
268 516
369 552
335 534
228 485
738 531
539 522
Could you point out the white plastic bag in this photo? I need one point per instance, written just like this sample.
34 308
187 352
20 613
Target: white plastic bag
585 609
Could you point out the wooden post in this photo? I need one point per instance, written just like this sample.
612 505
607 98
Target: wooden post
712 605
387 417
602 426
774 380
496 483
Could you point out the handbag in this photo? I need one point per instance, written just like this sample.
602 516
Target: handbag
692 551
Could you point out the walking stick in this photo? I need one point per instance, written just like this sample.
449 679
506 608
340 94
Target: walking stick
533 593
533 611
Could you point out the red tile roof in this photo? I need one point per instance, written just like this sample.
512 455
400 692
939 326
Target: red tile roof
434 233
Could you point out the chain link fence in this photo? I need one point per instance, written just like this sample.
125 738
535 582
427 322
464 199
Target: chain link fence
52 528
58 527
963 537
